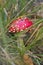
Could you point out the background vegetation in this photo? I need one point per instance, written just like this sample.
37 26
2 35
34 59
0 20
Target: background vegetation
24 47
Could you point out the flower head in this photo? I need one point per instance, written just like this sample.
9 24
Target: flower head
20 24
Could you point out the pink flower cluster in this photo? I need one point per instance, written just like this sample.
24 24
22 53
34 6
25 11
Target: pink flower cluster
20 24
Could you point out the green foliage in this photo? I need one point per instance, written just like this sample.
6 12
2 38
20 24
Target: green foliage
13 47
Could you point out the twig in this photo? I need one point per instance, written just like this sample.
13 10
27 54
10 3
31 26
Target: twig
5 11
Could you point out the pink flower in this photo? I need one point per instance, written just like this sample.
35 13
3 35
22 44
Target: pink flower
20 24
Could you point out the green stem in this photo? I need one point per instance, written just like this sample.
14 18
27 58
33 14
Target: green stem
21 45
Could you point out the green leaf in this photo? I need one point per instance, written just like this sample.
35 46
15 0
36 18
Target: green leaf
37 61
39 34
